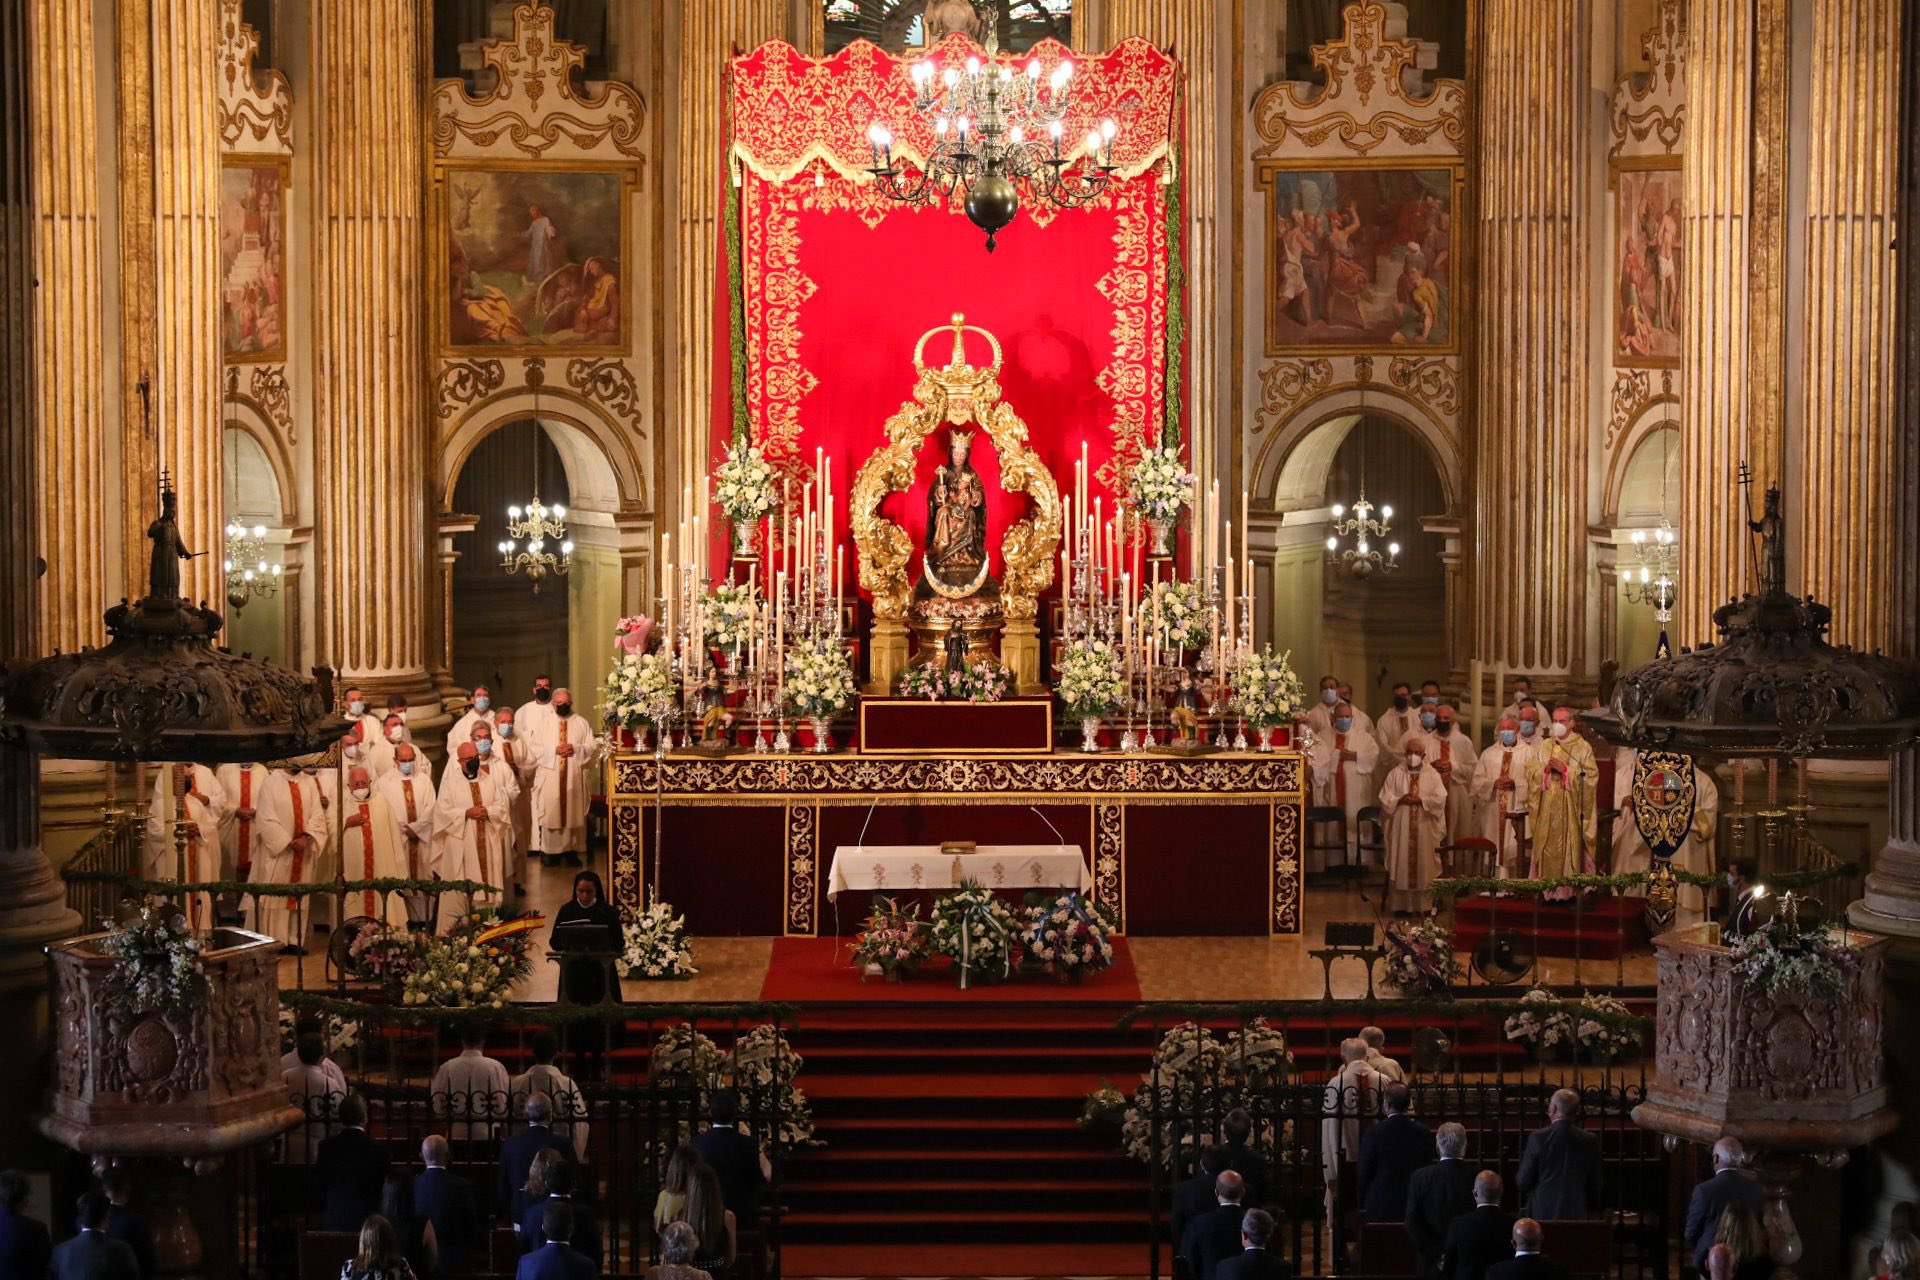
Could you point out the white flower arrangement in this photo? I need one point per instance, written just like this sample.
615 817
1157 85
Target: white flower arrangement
1159 485
1605 1041
1174 612
1092 680
743 485
158 961
657 945
762 1069
1420 956
638 690
976 929
461 972
1070 934
729 609
339 1035
1777 957
1542 1022
819 677
1189 1064
1265 688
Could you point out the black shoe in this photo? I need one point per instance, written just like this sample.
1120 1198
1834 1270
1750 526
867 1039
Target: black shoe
535 853
291 950
573 860
519 891
549 859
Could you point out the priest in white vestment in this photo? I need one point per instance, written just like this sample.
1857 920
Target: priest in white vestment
1500 792
410 800
206 805
562 783
243 784
516 754
368 851
470 821
358 715
480 710
1630 851
1414 801
1342 762
487 745
1523 698
1320 714
1451 756
1393 726
1350 1101
293 843
1362 722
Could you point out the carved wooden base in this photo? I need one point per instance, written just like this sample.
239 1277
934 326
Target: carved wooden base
888 657
1020 654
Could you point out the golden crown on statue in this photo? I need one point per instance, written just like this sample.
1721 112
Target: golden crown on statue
962 382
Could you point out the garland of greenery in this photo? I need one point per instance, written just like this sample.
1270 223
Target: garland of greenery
1456 885
736 302
384 884
520 1015
1176 308
1348 1010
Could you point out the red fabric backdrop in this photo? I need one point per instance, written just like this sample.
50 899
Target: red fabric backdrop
839 283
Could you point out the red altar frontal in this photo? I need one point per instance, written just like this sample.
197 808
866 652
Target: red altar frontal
1201 845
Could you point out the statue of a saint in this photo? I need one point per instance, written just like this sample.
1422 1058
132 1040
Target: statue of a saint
1772 528
163 571
711 697
955 649
1185 714
956 560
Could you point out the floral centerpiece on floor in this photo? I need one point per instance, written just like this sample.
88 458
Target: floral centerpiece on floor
743 489
894 941
978 931
1173 612
730 608
1069 935
467 969
1778 956
1191 1067
1105 1107
656 944
1601 1030
384 955
1420 958
159 964
975 682
1542 1023
1092 681
819 677
1265 689
638 692
338 1035
763 1069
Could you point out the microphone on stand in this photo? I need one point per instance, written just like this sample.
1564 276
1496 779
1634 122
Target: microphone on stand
1060 839
858 847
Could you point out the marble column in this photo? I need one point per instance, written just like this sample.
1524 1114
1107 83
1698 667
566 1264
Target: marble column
1530 575
1732 346
369 273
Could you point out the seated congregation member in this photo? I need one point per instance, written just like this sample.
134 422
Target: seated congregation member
1256 1259
679 1246
671 1203
125 1223
1389 1153
1414 801
472 1089
419 1244
1242 1157
445 1200
317 1086
1213 1237
553 1172
1481 1237
378 1256
715 1224
569 1105
92 1254
25 1243
554 1260
1740 1230
1376 1055
736 1158
1527 1262
1194 1196
1560 1168
353 1168
1711 1197
518 1153
1438 1194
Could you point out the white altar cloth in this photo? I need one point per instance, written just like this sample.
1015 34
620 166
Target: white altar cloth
903 868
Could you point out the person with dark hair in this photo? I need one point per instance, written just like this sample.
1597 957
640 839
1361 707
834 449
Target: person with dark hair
25 1243
378 1256
445 1200
671 1203
1195 1196
554 1260
1242 1158
411 1228
518 1153
471 1089
1740 1230
315 1084
1743 886
353 1168
556 1175
1256 1259
736 1158
1389 1153
124 1223
1213 1237
716 1226
93 1254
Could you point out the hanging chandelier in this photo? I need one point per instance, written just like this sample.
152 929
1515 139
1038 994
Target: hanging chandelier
249 574
992 125
1363 559
1654 580
536 525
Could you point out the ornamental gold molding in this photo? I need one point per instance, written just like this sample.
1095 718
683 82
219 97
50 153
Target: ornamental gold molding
1632 395
1435 384
1648 114
608 383
1285 385
255 106
464 382
954 395
268 394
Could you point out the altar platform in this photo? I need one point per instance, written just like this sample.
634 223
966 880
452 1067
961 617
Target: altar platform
1201 845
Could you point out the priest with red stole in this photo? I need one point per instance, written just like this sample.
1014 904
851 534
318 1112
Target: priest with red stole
243 784
293 841
1414 800
470 823
562 782
1500 791
368 850
205 805
517 755
1451 756
410 799
1342 762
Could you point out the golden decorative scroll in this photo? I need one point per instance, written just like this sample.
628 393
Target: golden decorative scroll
256 107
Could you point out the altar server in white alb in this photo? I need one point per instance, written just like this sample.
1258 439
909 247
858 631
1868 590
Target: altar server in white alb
1630 851
1500 791
486 746
517 755
1415 803
206 805
469 830
410 799
293 842
562 783
243 784
368 850
1342 763
480 710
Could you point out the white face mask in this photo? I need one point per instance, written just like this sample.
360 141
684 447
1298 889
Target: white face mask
361 793
1414 763
406 768
1559 728
356 708
396 733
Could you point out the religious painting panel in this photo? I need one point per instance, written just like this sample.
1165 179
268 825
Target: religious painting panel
534 259
1362 257
1648 257
253 259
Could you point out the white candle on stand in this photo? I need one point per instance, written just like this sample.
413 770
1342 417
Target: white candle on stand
1245 530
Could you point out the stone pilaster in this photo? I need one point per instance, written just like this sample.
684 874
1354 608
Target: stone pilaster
1530 395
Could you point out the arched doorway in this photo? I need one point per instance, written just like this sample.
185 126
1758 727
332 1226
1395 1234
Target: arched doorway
1647 493
254 500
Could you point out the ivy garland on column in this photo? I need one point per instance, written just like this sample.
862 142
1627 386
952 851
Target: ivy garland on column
736 300
1176 307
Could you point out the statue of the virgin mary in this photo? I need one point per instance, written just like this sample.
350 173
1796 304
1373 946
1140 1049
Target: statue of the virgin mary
956 551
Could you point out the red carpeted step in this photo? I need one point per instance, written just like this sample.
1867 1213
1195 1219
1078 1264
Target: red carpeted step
1602 929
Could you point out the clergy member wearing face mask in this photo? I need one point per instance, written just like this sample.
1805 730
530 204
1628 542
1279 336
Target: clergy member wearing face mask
1415 803
470 821
532 720
369 851
293 839
1500 792
481 710
513 752
1450 754
487 745
410 797
1320 715
355 712
562 784
1393 726
1342 762
1560 799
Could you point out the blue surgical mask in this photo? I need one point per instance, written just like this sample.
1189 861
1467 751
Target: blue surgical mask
483 745
1428 719
1329 696
406 768
1343 724
1431 699
1526 727
482 702
1508 737
356 708
504 730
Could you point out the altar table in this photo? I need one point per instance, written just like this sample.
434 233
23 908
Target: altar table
1178 844
883 868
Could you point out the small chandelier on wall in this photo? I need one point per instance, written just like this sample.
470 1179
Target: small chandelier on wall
249 573
534 529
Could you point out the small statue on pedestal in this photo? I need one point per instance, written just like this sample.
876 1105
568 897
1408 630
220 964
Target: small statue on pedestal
954 646
715 717
1185 716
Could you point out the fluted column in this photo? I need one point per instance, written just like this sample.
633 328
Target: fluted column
1732 345
370 438
1530 395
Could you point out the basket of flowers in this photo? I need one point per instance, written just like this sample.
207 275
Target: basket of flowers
1070 936
1543 1024
656 944
978 931
1420 958
894 943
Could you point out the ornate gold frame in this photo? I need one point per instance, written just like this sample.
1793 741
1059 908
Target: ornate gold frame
282 165
956 394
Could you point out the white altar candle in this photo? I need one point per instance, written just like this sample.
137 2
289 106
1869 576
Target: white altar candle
1245 530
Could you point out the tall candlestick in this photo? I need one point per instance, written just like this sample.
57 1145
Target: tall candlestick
1245 531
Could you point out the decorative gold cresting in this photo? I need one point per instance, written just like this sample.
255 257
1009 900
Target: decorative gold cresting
955 394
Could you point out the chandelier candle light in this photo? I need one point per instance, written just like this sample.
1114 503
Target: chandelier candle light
1362 559
246 567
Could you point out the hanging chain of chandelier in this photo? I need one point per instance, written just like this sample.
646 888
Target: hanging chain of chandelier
993 126
1655 581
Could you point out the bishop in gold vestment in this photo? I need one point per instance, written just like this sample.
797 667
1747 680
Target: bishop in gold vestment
1560 785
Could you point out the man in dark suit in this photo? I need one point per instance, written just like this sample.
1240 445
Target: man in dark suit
1711 1197
1527 1262
1743 894
736 1158
1242 1158
1214 1236
25 1243
124 1223
446 1200
1389 1153
1256 1259
553 1260
352 1168
517 1153
1560 1169
1195 1196
1479 1237
93 1254
583 1227
1438 1194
